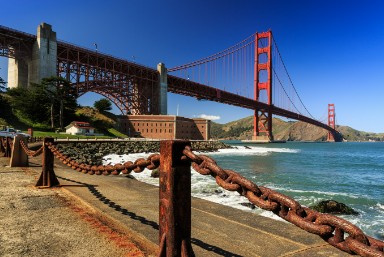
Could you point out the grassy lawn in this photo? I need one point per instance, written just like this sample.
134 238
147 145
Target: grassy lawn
37 133
103 122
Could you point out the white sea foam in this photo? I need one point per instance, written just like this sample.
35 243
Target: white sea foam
380 206
238 150
252 150
330 193
203 187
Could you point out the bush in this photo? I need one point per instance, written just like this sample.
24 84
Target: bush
103 105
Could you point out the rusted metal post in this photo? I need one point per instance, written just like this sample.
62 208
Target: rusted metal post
2 148
175 200
18 156
48 176
8 148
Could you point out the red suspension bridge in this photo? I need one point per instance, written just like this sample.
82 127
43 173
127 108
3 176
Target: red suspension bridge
250 74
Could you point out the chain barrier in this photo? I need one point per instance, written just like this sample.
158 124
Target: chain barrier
30 152
5 146
331 228
3 141
151 163
10 142
338 232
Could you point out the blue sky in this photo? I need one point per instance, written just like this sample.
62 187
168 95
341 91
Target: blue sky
334 50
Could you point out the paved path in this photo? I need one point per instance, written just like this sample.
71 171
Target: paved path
217 230
52 222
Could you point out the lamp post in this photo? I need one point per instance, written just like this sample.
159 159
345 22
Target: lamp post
61 105
95 46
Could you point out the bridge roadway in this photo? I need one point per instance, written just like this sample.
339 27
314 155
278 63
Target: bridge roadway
217 230
189 88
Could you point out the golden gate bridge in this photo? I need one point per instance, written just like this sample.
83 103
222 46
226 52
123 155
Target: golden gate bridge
251 74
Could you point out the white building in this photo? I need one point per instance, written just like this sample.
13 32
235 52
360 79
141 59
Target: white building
79 128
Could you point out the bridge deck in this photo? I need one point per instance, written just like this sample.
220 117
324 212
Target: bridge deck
216 230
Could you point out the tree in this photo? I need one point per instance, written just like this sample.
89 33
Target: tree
51 98
2 89
31 103
2 85
103 105
62 96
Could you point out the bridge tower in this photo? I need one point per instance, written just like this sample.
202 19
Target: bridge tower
39 63
262 119
331 120
163 87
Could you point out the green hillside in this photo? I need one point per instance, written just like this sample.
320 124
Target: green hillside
291 131
103 122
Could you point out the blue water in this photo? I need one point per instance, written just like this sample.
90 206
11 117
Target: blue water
351 173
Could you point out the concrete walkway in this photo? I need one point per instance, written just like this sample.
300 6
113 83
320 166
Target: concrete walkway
217 230
52 222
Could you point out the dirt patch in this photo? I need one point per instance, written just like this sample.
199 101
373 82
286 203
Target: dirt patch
116 234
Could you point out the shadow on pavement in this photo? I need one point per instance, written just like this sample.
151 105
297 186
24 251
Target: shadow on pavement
143 220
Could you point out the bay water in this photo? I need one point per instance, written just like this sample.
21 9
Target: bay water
350 173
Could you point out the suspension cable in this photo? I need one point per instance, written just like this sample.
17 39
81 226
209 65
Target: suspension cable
289 77
215 56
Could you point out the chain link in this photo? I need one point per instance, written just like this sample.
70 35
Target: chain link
30 152
151 163
331 228
4 142
336 231
10 142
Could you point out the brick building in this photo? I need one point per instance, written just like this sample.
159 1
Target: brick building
164 127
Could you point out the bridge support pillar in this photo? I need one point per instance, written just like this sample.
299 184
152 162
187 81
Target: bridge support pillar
44 54
18 72
331 121
262 126
262 121
39 63
163 88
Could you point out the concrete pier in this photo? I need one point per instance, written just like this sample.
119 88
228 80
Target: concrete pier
38 64
163 88
18 72
44 55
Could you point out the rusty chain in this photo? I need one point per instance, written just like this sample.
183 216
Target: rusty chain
30 152
151 163
10 142
331 228
4 142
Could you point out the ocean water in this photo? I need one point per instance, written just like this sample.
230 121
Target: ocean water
351 173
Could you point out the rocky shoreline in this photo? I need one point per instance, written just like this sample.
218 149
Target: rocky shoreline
92 152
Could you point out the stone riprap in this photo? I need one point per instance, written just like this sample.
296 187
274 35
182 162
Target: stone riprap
333 207
92 152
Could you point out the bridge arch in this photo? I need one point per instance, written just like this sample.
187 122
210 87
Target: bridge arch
121 96
127 97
